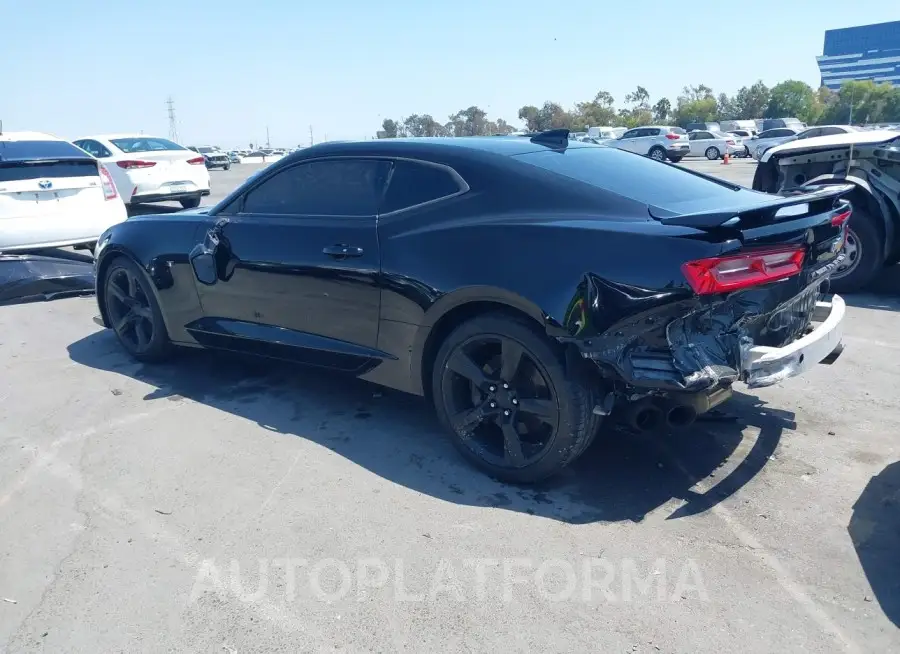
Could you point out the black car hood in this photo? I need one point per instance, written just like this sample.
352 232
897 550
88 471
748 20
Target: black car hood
37 278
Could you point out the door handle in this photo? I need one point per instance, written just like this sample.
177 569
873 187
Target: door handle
341 251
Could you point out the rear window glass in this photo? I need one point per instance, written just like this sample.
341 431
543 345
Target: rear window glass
142 144
46 169
677 130
31 150
622 173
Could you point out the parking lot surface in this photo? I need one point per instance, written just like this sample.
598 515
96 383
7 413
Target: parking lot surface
214 504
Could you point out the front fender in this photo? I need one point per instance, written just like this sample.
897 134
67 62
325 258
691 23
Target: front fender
160 248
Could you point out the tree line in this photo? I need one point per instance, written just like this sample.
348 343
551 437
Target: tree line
862 102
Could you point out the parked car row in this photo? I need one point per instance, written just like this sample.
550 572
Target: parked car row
56 193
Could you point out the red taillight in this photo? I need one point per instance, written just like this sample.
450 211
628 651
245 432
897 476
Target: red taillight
196 161
839 219
673 137
131 163
751 268
106 181
729 142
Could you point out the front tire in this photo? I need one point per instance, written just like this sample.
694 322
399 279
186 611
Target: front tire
657 154
190 203
133 312
712 153
226 167
863 251
675 159
501 390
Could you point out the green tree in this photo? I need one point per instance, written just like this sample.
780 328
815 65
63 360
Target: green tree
390 129
549 116
696 104
662 110
751 102
595 113
726 108
791 98
423 125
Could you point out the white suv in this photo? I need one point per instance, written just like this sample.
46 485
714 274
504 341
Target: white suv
659 142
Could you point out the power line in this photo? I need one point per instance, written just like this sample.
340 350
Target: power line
173 124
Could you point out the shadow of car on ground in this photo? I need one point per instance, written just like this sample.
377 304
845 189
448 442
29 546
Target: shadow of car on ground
875 531
396 436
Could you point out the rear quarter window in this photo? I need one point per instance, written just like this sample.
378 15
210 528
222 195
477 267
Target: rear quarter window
413 184
629 175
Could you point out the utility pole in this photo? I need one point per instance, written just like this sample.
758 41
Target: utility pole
310 136
173 125
268 143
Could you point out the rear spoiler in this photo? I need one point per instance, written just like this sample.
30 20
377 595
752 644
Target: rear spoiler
821 199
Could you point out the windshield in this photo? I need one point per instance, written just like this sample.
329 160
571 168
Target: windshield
145 144
615 171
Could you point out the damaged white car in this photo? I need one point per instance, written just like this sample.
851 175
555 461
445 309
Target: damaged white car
870 160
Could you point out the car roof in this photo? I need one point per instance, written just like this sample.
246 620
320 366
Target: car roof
123 135
834 140
436 146
28 136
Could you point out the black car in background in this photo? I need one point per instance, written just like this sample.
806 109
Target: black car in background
529 286
215 158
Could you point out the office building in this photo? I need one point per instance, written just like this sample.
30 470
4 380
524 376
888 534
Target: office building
867 52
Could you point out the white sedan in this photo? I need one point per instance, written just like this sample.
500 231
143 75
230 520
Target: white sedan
150 168
52 194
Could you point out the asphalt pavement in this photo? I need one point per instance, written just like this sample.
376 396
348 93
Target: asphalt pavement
215 504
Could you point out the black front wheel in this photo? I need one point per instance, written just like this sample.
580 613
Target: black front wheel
133 311
501 389
190 203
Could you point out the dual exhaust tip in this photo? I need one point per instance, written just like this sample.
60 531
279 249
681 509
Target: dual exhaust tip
649 414
672 413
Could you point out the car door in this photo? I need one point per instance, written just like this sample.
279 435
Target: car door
629 140
647 137
291 267
699 142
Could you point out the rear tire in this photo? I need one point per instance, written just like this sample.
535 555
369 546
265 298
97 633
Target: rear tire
539 423
133 311
712 153
657 153
190 203
865 250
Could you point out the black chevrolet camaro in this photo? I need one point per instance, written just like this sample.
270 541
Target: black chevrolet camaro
530 286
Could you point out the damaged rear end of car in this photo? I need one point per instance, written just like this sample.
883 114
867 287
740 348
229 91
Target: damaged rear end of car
752 308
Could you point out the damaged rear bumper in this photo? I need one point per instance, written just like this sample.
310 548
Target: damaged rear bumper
765 366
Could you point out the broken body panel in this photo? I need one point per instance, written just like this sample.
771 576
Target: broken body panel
47 276
868 160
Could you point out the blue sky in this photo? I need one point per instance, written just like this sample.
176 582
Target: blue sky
342 66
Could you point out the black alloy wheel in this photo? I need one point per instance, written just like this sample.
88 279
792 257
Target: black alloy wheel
502 391
133 311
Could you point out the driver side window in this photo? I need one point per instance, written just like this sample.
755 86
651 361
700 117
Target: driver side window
338 187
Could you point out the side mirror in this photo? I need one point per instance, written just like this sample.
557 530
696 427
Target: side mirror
204 264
